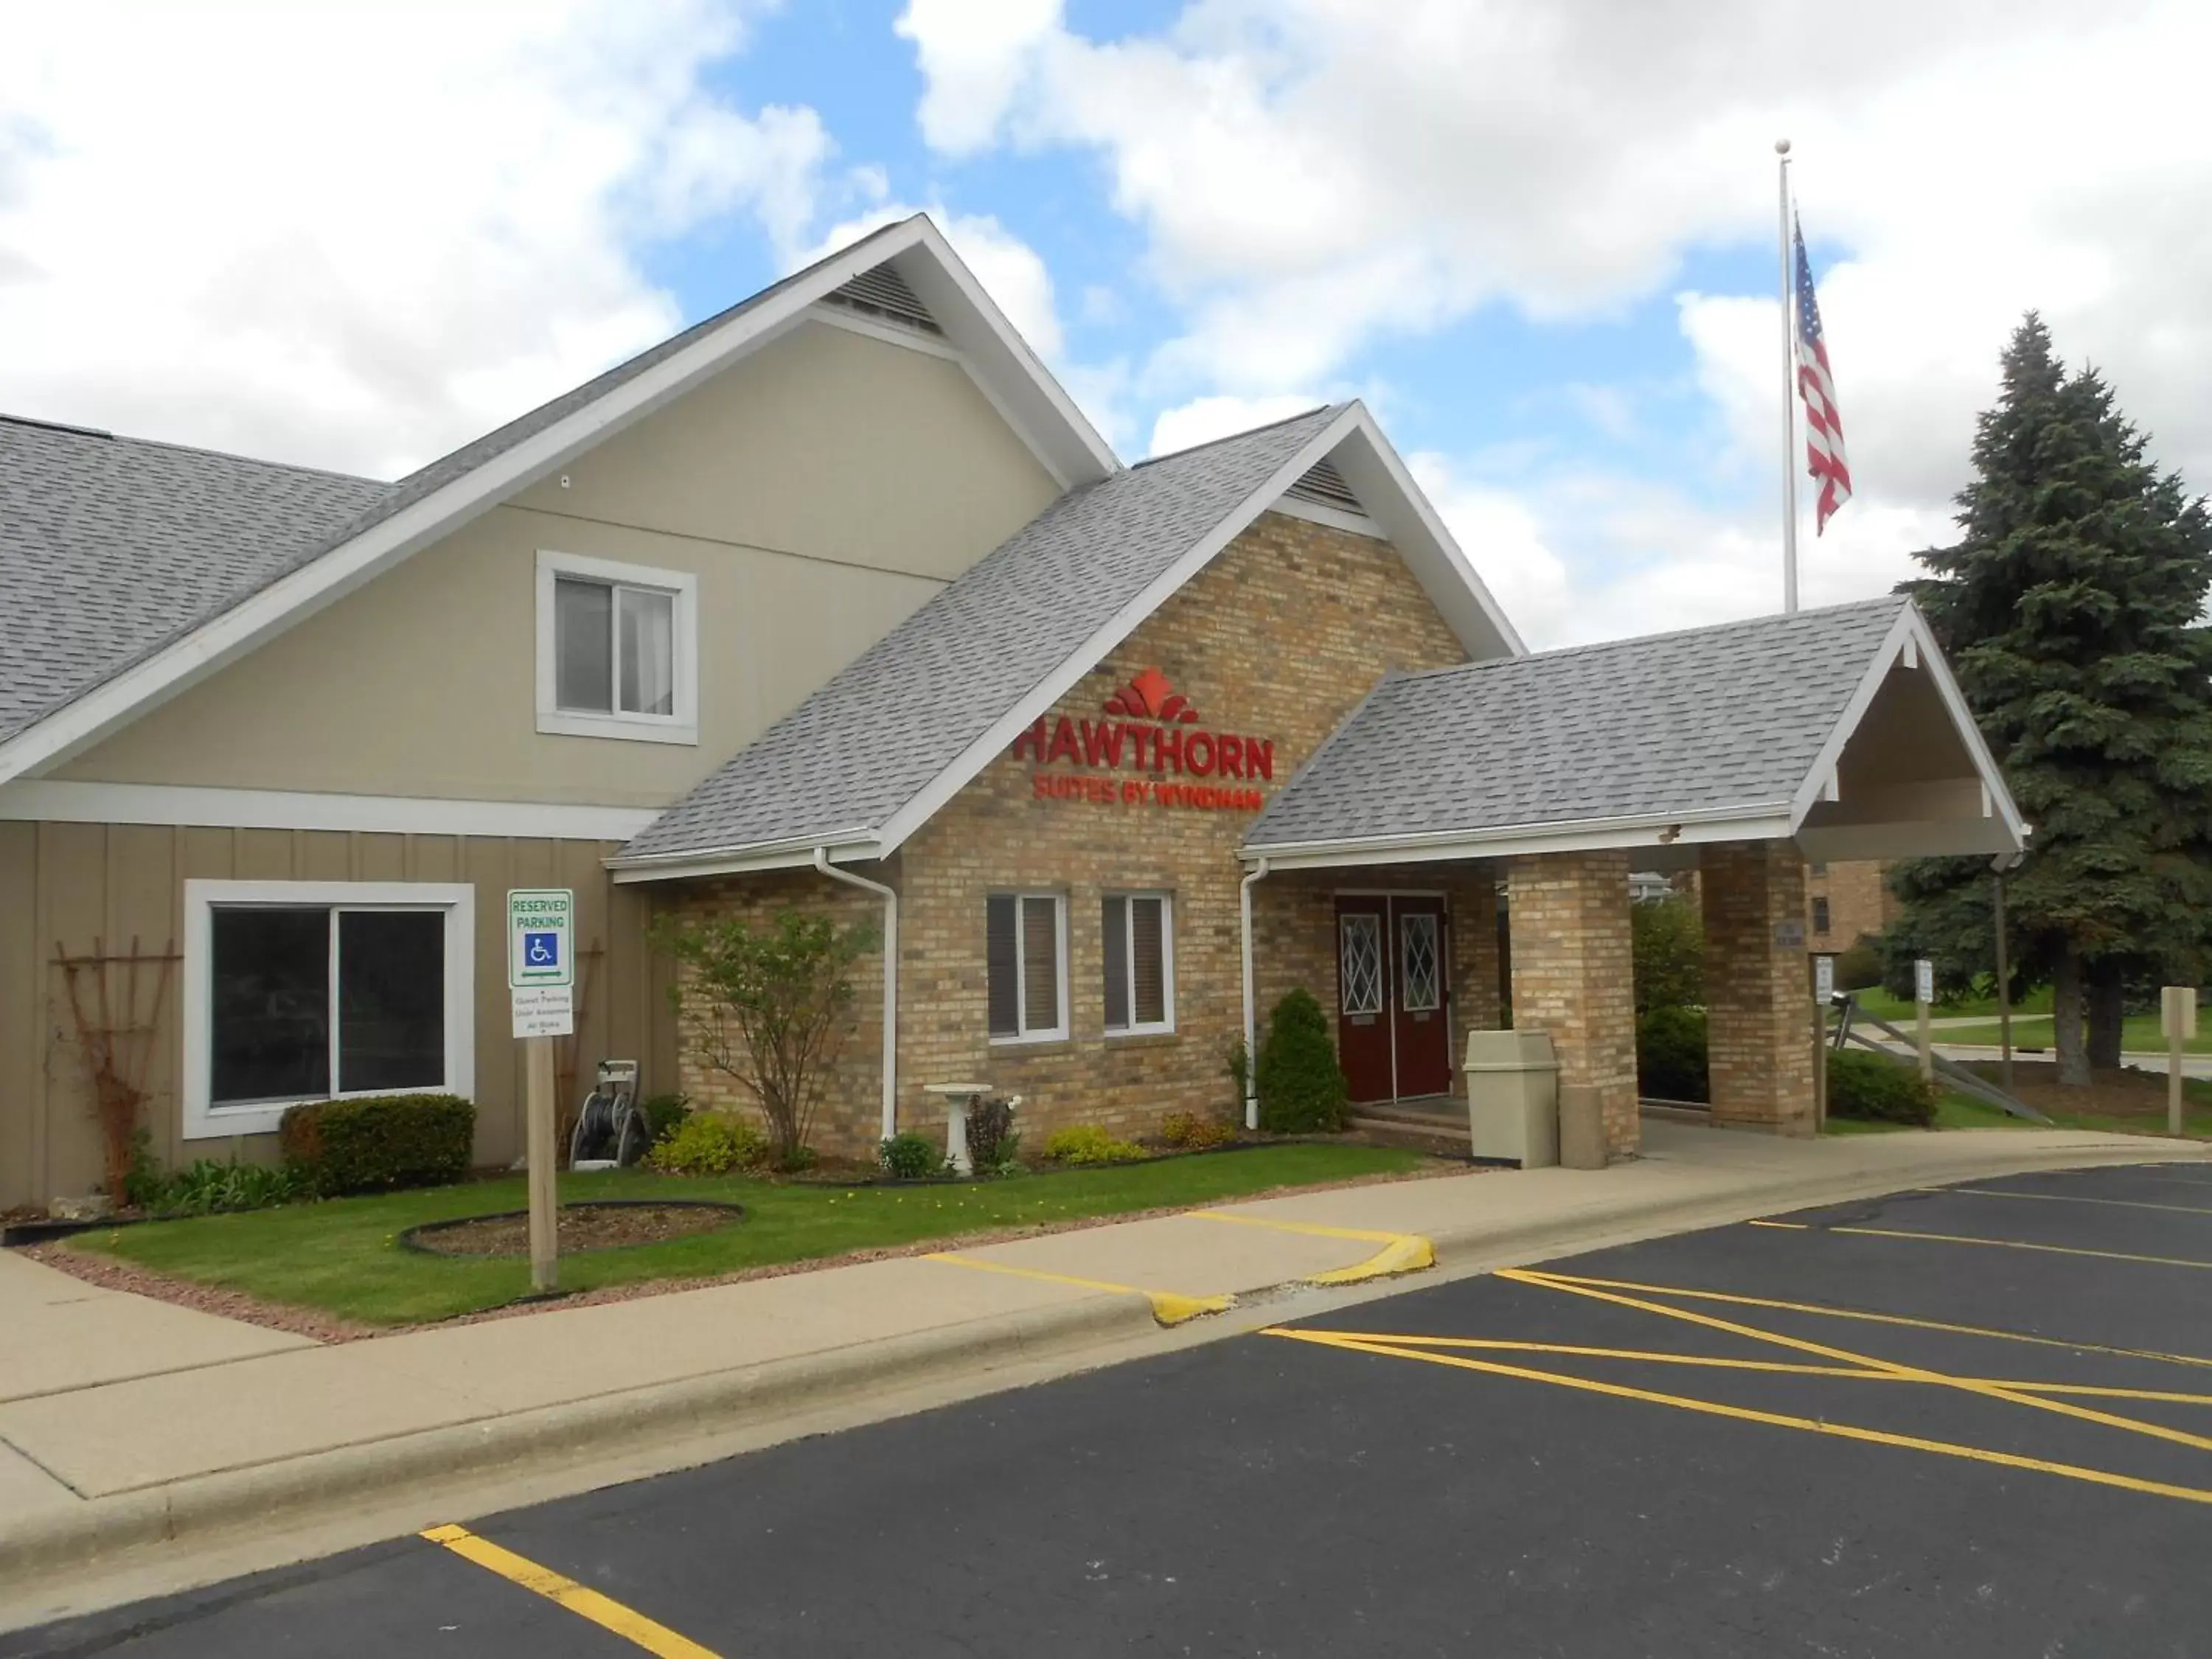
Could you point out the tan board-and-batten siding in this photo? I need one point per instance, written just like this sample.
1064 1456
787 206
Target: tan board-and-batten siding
70 884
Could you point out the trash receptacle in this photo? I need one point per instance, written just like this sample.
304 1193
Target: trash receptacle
1513 1097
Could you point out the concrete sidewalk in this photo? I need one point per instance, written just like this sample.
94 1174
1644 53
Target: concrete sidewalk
125 1423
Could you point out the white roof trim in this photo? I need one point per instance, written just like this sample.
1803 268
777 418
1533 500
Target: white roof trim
924 259
1909 635
1756 821
784 855
51 800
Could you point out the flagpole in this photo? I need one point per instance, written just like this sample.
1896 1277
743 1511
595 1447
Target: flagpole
1789 398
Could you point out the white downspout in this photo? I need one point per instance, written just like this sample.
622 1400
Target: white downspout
1251 1039
890 897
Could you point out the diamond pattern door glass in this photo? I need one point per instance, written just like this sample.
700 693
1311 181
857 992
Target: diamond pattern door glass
1360 966
1418 982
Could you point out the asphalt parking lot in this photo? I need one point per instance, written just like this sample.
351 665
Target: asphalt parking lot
1964 1422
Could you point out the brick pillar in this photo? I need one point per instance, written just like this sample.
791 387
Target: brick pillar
1757 998
1573 975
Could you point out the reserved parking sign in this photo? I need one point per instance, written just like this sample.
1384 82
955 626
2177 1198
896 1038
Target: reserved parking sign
541 936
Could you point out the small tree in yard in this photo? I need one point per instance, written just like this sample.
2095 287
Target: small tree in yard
768 1006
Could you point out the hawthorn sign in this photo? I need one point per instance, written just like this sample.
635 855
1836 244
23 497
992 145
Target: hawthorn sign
1211 771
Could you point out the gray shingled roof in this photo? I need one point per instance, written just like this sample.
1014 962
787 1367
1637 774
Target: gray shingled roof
878 733
1704 721
110 547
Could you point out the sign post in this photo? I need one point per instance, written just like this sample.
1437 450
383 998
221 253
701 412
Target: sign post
541 971
2177 1019
1923 993
1824 995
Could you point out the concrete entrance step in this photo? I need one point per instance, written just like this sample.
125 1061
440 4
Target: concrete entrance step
1437 1123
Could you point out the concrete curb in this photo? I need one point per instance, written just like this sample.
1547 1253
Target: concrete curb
202 1508
627 1420
1587 1228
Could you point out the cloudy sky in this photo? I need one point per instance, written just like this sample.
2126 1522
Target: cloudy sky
1538 238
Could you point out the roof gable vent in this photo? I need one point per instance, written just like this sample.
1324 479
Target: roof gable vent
882 293
1324 486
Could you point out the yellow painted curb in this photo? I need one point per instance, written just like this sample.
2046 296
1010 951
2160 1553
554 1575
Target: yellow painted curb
1401 1253
1409 1253
1169 1307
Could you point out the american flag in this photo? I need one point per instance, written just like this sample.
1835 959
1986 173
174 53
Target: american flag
1823 423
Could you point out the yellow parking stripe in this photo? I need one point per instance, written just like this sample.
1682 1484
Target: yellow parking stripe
1401 1253
1880 1319
2000 1243
586 1603
1775 1367
1747 1414
2155 1431
1169 1307
2073 1198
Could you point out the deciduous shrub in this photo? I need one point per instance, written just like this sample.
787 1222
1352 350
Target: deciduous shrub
1670 1055
1669 941
1302 1088
1086 1143
1859 968
910 1156
992 1139
1194 1133
378 1145
709 1144
1865 1085
663 1112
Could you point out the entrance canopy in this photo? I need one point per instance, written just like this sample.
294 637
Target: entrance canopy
1840 729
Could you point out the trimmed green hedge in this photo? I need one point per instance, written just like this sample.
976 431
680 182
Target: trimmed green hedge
1670 1055
378 1145
1865 1085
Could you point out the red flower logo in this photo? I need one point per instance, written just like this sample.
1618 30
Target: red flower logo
1150 696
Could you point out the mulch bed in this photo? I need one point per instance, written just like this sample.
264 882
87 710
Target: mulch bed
581 1227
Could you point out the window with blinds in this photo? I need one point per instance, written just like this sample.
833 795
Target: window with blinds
1138 933
1025 957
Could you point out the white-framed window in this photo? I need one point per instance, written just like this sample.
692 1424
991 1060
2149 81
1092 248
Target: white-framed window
617 650
1138 933
1026 954
306 990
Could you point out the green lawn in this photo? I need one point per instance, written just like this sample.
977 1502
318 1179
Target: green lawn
1957 1111
2139 1034
1901 1012
344 1257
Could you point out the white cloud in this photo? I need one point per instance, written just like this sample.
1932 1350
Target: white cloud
1310 184
974 54
1204 419
1011 271
358 234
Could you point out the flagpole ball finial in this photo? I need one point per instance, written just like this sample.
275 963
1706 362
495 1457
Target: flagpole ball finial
1782 147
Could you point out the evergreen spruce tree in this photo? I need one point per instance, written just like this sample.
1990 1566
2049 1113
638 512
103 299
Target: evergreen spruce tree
2072 609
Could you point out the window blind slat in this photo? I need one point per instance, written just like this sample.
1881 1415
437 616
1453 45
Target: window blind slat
1148 959
1039 964
1005 991
1114 927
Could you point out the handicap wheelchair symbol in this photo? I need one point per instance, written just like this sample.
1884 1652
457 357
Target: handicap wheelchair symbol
541 950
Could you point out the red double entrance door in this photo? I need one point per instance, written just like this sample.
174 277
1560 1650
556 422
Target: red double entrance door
1394 995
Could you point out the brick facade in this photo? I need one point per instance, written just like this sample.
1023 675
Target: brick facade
1757 996
1574 975
1857 900
1294 938
1277 638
